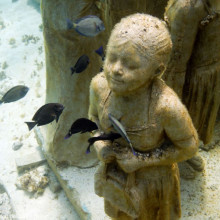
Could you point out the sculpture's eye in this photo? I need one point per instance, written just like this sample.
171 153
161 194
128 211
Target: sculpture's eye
112 58
130 64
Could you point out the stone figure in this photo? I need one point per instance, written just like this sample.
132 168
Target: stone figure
62 49
130 88
194 69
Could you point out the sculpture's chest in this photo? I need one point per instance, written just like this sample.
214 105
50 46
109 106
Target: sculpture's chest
142 126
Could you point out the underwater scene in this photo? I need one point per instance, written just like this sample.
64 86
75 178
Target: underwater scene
109 110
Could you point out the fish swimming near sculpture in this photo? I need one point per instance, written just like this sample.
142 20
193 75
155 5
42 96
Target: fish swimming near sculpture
81 125
46 114
80 65
14 94
88 26
100 52
120 129
111 136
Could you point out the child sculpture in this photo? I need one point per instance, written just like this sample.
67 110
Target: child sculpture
145 186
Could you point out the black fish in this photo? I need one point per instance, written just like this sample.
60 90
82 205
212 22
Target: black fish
46 114
80 65
111 136
121 130
81 125
14 94
100 52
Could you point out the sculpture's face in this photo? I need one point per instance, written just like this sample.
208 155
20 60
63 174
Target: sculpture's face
125 69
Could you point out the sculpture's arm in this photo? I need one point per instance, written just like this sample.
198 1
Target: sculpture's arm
103 149
181 132
183 18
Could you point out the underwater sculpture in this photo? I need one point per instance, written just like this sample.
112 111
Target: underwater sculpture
194 69
145 185
62 49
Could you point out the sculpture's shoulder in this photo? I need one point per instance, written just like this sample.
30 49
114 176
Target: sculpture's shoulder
99 83
167 101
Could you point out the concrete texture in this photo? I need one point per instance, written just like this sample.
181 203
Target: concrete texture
30 160
62 49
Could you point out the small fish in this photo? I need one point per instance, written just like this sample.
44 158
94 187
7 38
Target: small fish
46 114
120 129
80 65
14 94
111 136
88 26
81 125
100 52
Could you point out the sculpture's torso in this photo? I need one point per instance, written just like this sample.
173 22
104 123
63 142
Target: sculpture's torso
139 116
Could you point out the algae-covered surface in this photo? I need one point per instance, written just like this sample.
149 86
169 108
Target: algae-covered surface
22 62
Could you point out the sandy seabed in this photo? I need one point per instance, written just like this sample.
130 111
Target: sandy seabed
22 62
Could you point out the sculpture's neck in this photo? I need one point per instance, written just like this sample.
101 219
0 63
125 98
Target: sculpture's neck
142 91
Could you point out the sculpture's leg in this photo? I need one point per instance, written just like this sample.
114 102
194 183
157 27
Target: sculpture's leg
202 99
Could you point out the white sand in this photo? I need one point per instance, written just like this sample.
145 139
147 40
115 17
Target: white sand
22 18
200 197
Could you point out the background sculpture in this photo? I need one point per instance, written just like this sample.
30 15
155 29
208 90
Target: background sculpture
194 68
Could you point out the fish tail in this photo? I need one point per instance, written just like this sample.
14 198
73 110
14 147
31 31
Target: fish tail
88 149
72 70
69 24
132 149
30 125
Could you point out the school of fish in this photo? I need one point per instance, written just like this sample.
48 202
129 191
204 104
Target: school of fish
88 26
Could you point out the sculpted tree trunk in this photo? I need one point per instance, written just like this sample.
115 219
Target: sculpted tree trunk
63 47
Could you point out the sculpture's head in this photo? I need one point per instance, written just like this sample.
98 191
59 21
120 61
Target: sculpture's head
138 50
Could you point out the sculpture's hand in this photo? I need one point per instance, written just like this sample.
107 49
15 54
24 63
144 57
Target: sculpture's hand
128 162
104 151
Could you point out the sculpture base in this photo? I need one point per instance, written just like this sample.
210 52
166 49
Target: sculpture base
78 184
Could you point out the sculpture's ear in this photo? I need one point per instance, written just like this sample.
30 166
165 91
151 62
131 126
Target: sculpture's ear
160 70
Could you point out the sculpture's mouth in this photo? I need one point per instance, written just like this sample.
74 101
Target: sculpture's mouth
114 80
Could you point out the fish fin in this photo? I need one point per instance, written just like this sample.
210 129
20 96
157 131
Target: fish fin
30 125
134 153
88 149
70 24
57 118
67 136
132 149
121 118
100 51
72 70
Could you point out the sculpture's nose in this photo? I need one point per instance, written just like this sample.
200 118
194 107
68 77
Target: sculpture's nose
117 68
